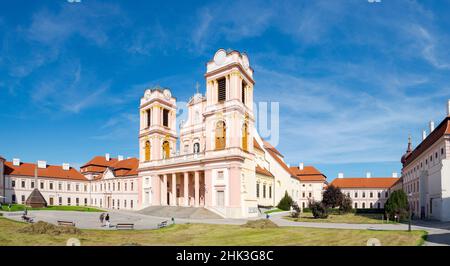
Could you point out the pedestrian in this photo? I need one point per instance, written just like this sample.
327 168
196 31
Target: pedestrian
25 212
107 220
102 217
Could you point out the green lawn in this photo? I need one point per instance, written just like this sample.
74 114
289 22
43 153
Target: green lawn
19 207
273 210
209 234
350 218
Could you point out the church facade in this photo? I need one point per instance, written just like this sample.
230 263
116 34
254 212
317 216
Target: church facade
216 159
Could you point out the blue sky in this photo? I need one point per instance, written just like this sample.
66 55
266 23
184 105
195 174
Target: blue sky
353 78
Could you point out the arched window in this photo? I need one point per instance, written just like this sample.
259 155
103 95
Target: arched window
196 147
244 137
147 150
166 150
221 133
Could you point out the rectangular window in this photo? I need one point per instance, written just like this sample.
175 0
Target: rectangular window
68 201
77 201
264 191
257 190
77 187
371 194
132 186
356 194
32 184
23 199
149 118
221 90
13 183
220 175
68 187
23 184
243 91
85 201
42 185
59 186
364 194
165 117
60 201
131 204
51 186
270 192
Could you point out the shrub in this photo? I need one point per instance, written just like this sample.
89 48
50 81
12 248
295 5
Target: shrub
332 197
295 210
346 205
397 205
285 203
318 210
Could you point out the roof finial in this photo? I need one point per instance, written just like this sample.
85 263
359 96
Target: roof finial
197 85
409 144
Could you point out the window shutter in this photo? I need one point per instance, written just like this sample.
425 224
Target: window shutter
221 96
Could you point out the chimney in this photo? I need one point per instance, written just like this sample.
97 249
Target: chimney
301 166
16 162
424 135
107 157
368 175
448 108
340 175
120 157
431 126
395 174
66 166
42 164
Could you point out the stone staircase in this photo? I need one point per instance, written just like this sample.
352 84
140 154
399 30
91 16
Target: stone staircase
180 212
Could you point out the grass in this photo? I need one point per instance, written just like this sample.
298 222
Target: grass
19 207
273 210
349 218
209 234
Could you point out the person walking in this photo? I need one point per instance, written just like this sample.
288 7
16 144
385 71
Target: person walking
102 217
107 220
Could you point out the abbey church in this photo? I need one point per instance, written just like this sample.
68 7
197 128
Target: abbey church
221 162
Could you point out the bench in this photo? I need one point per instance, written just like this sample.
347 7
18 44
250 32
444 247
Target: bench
27 219
162 224
66 223
124 226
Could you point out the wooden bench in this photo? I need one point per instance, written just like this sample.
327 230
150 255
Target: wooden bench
162 224
124 226
66 223
27 219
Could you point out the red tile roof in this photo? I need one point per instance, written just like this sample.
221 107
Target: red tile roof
263 171
268 146
256 145
51 171
364 182
100 161
442 129
283 164
309 173
126 167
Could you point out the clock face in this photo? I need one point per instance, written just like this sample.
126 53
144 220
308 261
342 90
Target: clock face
167 94
219 57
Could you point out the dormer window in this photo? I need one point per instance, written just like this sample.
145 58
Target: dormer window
221 90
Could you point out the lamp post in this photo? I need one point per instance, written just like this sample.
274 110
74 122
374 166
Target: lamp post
409 212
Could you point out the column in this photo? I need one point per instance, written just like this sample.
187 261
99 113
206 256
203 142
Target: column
197 188
174 190
164 191
186 189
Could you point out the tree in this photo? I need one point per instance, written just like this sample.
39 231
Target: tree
397 205
285 203
332 197
346 204
318 209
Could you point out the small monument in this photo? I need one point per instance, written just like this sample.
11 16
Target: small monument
36 200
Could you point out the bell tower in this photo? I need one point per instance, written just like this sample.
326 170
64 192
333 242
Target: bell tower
229 102
157 133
